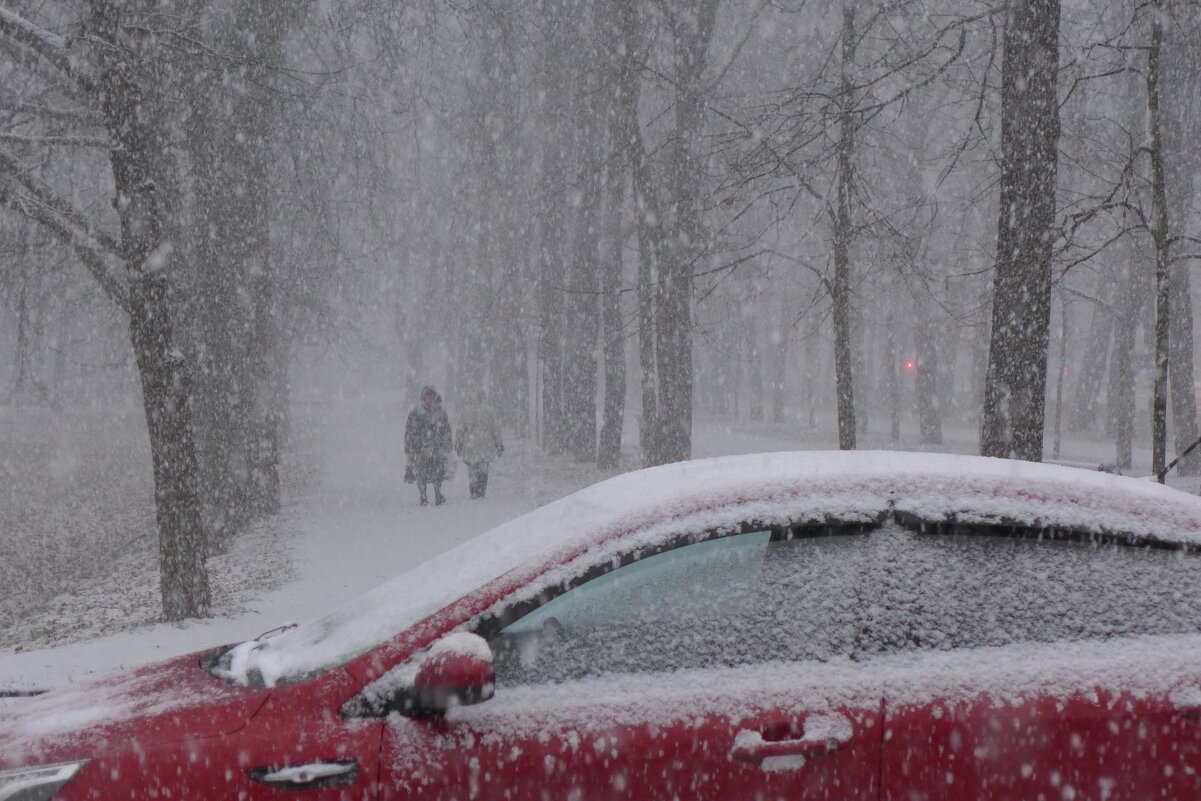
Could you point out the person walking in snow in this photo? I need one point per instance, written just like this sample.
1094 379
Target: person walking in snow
427 444
478 442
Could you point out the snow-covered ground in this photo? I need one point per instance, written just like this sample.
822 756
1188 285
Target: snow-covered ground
348 528
349 524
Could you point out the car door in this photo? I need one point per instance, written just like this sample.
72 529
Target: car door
300 744
295 745
1047 669
1095 744
710 671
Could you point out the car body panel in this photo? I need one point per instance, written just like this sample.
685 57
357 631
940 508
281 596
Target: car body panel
1117 719
1096 744
707 734
161 703
296 734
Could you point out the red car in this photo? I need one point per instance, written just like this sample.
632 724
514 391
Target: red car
806 625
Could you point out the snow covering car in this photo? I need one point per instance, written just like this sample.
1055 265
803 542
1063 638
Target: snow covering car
833 625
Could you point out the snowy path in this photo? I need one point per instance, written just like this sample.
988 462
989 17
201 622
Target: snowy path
363 527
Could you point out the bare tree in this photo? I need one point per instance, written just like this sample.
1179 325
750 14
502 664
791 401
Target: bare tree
843 230
667 199
812 143
1015 386
126 86
233 300
122 87
680 234
616 81
129 83
1162 247
1179 68
553 206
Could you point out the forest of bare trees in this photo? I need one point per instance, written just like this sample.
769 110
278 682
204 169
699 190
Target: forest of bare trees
973 219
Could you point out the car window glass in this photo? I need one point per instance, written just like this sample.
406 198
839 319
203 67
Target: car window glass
745 599
735 600
661 585
941 592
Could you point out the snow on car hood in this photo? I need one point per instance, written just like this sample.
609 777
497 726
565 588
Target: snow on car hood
156 703
644 506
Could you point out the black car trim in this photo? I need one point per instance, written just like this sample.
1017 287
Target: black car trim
1005 527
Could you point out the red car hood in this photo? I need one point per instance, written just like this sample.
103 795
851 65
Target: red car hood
159 703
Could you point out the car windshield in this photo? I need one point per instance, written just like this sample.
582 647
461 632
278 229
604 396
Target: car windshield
748 599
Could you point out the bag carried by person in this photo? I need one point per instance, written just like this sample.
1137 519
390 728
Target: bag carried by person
448 469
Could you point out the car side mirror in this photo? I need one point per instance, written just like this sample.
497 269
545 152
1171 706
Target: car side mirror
457 671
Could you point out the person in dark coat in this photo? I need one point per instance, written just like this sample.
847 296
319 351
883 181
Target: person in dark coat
427 444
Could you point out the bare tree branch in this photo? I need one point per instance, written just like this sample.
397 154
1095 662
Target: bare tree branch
27 195
101 142
48 45
16 104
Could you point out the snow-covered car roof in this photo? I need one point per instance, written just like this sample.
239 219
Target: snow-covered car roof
653 506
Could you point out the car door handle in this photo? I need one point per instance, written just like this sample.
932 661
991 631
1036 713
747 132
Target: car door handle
1192 713
754 748
308 776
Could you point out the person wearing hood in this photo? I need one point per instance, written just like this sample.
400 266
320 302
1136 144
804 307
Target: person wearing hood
427 445
478 443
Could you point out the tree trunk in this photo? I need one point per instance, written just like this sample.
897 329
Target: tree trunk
553 273
219 315
929 415
779 380
1015 384
582 333
267 393
673 357
648 424
840 289
235 297
1121 369
810 356
754 361
1060 373
164 371
683 245
1180 367
166 398
505 228
862 341
268 397
1180 69
1086 391
892 383
25 384
608 453
1159 235
649 226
